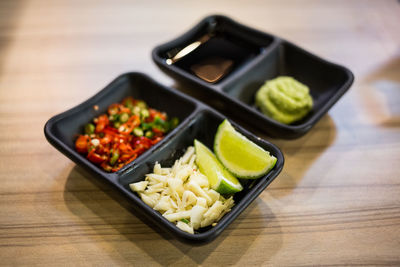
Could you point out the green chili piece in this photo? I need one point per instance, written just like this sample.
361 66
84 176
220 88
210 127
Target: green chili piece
114 157
159 128
160 124
117 124
149 134
159 121
128 103
144 113
146 126
138 132
173 123
185 221
89 128
141 104
113 117
124 117
136 110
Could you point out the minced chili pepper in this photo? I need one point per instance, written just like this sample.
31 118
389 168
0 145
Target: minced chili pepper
127 130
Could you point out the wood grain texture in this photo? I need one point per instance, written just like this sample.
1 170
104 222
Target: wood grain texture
337 201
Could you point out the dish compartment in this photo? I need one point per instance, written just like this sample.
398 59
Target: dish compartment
235 93
327 82
202 127
214 37
63 129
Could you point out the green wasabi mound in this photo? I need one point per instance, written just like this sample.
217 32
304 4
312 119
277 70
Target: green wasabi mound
284 99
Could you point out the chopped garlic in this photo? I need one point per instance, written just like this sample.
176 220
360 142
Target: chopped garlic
214 195
199 191
176 185
95 142
173 217
163 204
212 214
199 179
197 215
202 202
188 198
139 186
165 171
215 210
156 188
184 173
191 162
182 192
157 168
189 152
156 178
185 227
150 199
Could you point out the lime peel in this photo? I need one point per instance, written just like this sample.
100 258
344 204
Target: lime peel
220 179
239 155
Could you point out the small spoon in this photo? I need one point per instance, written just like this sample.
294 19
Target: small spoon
188 49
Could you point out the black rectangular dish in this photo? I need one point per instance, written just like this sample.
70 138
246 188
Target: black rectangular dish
255 57
197 121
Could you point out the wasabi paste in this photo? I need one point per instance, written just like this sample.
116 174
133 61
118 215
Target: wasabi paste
284 99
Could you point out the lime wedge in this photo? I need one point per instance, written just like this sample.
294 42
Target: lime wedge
239 155
220 179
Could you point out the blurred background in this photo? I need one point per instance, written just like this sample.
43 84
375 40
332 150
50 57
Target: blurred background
336 201
82 45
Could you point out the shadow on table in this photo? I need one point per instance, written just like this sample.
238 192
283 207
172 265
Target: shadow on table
119 214
382 94
301 153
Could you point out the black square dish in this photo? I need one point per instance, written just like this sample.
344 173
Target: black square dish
256 57
197 121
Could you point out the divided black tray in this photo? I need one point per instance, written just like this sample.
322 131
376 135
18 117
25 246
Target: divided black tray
196 121
257 57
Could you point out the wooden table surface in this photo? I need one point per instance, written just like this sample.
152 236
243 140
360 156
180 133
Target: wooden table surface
336 202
